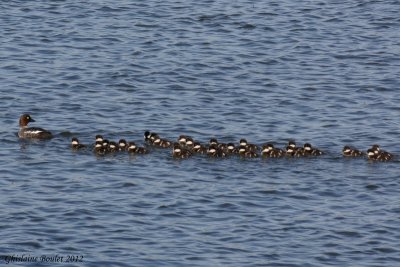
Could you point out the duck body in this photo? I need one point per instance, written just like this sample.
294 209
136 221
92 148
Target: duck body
113 147
246 152
122 145
378 154
99 149
347 151
199 148
248 146
76 145
31 132
309 150
268 150
133 149
178 152
214 151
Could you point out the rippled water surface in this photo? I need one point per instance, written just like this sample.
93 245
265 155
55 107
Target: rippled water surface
325 72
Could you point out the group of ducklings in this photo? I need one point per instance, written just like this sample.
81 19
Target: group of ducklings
374 153
103 146
186 146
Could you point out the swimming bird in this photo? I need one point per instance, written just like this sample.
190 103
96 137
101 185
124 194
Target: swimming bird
243 142
347 151
199 148
311 151
99 148
31 132
268 150
99 138
179 152
246 152
133 149
379 154
122 145
215 152
75 145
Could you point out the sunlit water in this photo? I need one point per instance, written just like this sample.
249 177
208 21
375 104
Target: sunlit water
324 72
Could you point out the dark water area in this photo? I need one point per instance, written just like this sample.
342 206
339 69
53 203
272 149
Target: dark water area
324 72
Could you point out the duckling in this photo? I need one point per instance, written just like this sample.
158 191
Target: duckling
180 153
99 138
311 151
189 143
268 150
347 151
376 148
292 144
113 147
213 141
98 148
265 150
289 151
122 145
182 140
75 145
215 152
381 154
246 152
243 142
296 152
133 149
199 148
105 145
161 142
231 149
371 154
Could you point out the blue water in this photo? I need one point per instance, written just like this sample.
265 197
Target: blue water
325 72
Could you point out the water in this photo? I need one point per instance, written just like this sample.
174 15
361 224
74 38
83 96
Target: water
315 71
